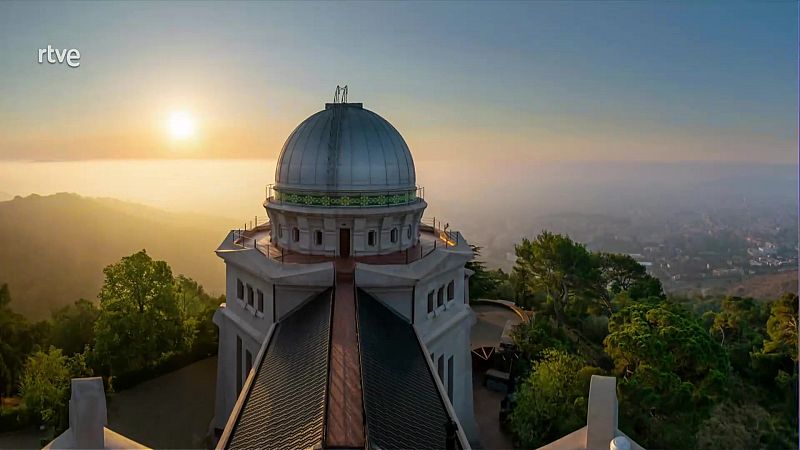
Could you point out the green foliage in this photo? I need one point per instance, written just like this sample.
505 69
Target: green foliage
73 326
538 335
692 373
44 384
197 311
576 281
140 318
10 326
484 283
552 401
620 272
148 323
18 338
666 360
782 327
556 265
745 426
739 327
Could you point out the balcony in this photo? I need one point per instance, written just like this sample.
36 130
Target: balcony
432 237
343 199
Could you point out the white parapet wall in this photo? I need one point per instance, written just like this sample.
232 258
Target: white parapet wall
88 418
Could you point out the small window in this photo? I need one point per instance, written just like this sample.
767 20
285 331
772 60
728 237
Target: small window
295 234
280 232
440 367
451 290
248 361
408 232
260 297
450 378
239 289
249 296
440 297
371 238
318 237
430 302
393 235
238 365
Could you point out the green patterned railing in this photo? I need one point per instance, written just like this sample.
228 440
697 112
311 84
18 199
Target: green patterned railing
364 199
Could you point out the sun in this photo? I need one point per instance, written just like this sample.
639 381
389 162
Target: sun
181 125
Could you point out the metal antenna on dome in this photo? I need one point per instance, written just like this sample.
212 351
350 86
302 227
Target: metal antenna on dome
341 94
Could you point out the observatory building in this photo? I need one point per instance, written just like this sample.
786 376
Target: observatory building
347 322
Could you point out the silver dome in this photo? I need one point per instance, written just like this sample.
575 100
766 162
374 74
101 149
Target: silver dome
345 148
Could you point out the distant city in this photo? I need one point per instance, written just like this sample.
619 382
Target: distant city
693 252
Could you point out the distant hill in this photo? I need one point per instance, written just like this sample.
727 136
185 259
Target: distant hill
767 286
53 248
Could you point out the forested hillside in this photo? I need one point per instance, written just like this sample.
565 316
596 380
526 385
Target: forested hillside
53 248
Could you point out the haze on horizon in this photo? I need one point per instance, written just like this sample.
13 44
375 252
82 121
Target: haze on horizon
469 84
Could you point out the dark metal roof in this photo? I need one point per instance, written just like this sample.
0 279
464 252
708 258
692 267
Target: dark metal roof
285 407
285 404
403 407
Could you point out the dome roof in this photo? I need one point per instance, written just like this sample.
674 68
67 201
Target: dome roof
345 148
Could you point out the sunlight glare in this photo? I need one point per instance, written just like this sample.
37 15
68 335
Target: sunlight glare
181 125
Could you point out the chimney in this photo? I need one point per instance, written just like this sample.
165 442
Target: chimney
87 412
601 419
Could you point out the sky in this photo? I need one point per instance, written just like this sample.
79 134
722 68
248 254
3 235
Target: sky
471 83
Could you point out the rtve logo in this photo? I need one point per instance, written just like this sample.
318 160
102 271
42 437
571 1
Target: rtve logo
55 56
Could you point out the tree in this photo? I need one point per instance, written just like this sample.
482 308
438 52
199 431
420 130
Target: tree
666 360
197 310
487 283
745 426
73 326
552 401
11 357
18 338
140 319
782 327
557 266
45 383
620 274
536 336
480 283
739 327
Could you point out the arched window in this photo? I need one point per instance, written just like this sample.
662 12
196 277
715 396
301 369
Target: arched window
318 237
295 234
408 232
280 232
371 238
393 235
